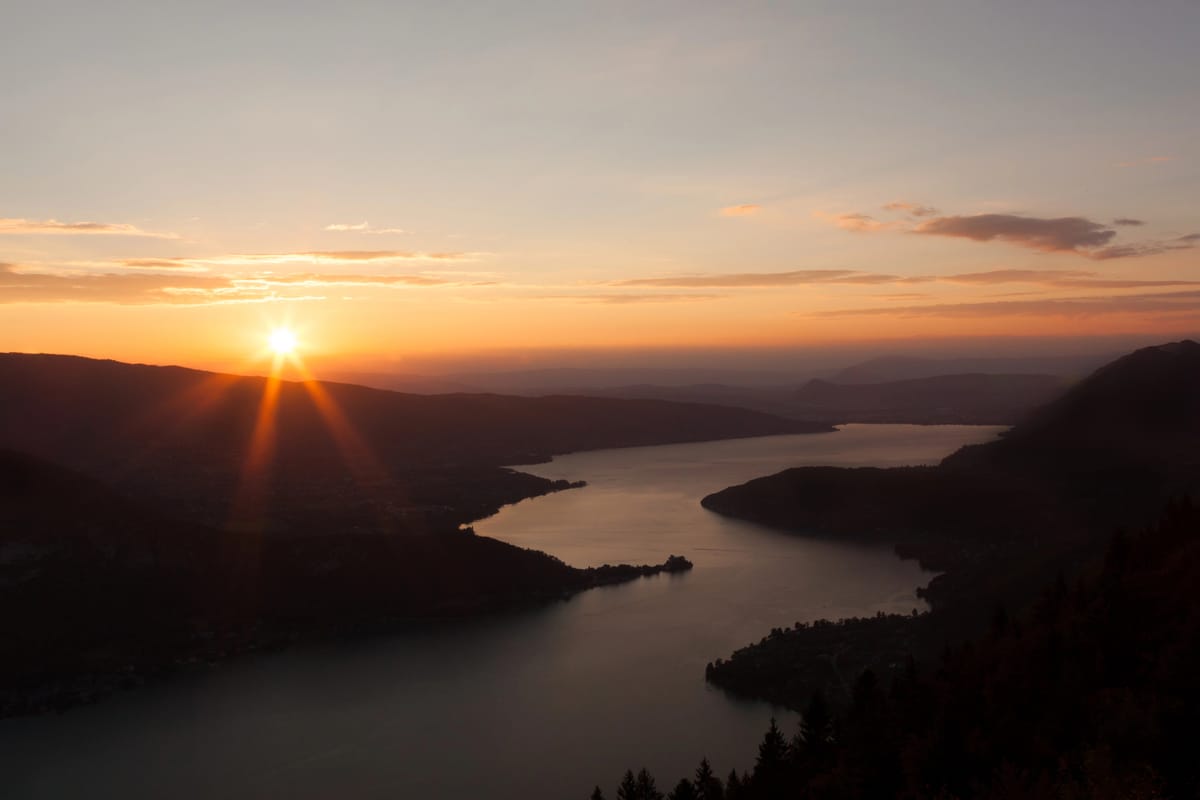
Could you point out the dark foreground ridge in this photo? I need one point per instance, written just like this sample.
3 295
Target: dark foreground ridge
1094 677
1091 693
98 592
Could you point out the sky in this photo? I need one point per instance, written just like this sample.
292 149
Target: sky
408 182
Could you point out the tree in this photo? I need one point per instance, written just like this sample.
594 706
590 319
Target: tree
646 788
683 791
733 786
597 794
708 785
628 789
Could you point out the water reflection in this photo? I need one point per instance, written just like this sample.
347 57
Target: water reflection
544 703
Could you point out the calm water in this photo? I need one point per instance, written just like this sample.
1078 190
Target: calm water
544 703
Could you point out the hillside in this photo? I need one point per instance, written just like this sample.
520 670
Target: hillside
205 447
947 399
98 591
1003 518
976 398
1090 694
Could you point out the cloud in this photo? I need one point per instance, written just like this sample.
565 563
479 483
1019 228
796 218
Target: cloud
360 227
1187 302
22 285
1059 234
626 299
1077 235
1046 276
859 223
1059 278
160 263
13 225
744 210
319 257
1147 248
754 279
912 209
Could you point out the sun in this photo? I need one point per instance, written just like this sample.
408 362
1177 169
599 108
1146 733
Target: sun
282 342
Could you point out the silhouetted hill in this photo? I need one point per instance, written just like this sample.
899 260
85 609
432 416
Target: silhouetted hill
320 456
977 399
884 369
989 399
1003 517
98 592
1091 694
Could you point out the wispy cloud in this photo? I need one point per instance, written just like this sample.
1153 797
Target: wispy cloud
766 279
30 285
16 226
744 210
912 209
360 227
1187 302
1076 279
859 223
316 257
627 299
1128 221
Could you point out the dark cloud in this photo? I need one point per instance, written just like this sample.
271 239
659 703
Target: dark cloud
1060 234
1078 235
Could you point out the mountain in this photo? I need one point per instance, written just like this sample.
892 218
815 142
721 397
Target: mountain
884 369
1002 517
301 457
977 398
99 591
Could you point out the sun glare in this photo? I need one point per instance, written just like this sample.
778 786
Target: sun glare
282 341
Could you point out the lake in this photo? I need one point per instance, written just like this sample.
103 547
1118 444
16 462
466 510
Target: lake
540 703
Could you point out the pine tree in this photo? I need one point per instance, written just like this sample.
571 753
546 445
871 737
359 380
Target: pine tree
683 791
646 788
769 771
708 785
628 790
597 794
733 786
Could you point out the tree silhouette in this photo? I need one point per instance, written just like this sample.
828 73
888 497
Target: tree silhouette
708 785
628 789
646 788
683 791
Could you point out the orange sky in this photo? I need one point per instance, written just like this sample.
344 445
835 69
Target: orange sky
768 177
